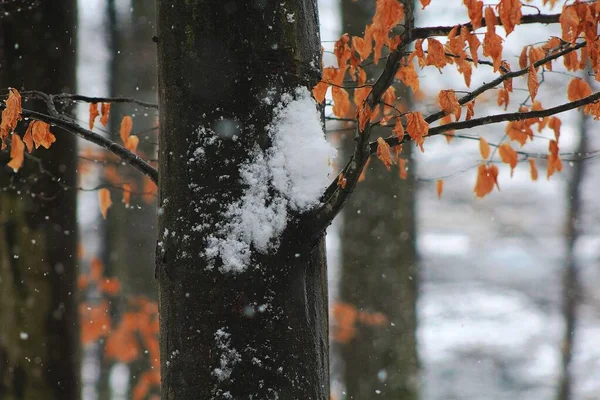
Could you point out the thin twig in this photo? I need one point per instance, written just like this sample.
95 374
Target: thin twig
71 126
492 119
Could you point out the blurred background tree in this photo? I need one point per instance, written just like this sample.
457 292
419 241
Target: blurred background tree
379 271
39 338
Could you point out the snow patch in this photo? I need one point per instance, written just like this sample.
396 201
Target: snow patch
229 355
290 175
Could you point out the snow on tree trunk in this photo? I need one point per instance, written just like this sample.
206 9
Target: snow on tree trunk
242 278
39 338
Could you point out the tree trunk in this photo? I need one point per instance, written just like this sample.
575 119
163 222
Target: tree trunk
261 333
571 285
130 257
39 338
379 267
133 74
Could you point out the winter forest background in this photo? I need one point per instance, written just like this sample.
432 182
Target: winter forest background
485 277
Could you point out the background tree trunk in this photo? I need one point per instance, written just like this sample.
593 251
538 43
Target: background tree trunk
571 285
217 61
131 232
39 339
133 74
379 267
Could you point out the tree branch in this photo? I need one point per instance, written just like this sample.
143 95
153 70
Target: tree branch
336 195
492 119
513 74
422 33
74 128
88 99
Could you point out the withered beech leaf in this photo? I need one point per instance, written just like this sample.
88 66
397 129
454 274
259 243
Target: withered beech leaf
105 201
105 111
93 114
484 148
126 126
383 153
17 151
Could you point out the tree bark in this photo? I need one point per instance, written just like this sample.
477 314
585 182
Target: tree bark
218 61
379 266
39 339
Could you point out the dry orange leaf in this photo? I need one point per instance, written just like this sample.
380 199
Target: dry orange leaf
534 170
95 322
532 82
519 131
449 103
436 55
11 115
41 135
474 44
487 177
470 110
363 173
388 14
475 8
492 43
28 137
341 50
399 129
484 148
364 114
105 111
17 151
383 153
126 126
132 143
402 171
341 102
554 161
510 14
147 380
425 3
554 123
105 201
126 194
578 89
449 135
319 91
439 187
122 344
503 98
389 97
523 58
569 23
465 69
509 156
408 75
417 128
504 69
109 286
360 95
93 114
362 47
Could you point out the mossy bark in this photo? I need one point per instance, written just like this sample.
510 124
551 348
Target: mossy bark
39 339
218 61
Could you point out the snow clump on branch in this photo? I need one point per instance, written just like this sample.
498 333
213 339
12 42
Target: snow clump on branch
291 175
